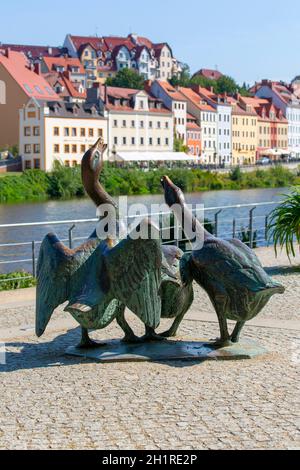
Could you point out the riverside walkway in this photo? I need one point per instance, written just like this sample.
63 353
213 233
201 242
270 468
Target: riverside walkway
52 401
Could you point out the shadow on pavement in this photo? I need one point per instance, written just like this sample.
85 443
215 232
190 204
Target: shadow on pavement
35 355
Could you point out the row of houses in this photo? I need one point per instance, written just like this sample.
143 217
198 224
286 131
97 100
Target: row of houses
94 58
46 108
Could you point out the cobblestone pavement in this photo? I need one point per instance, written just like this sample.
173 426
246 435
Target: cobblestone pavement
50 400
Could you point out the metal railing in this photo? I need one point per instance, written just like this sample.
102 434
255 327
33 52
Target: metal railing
255 228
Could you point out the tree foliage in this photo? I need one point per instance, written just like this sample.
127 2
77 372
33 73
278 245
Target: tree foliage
126 78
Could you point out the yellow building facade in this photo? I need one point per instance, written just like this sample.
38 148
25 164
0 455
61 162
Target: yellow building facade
244 135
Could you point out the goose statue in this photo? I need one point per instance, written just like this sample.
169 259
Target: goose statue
228 270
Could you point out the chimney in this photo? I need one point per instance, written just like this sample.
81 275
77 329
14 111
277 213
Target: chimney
7 52
50 50
105 93
211 89
37 68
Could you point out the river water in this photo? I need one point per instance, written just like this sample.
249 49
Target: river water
84 209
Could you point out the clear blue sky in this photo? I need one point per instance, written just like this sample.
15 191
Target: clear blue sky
247 40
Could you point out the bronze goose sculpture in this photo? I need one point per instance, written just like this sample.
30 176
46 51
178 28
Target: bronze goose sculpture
228 270
100 277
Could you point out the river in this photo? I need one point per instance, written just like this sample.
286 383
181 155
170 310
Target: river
84 209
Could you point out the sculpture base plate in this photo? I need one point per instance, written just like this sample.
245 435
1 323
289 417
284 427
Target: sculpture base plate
169 350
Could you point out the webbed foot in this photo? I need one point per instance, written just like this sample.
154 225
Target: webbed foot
132 339
152 336
86 342
89 344
222 343
168 334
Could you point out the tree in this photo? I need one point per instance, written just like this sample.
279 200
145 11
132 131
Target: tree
179 145
184 78
126 78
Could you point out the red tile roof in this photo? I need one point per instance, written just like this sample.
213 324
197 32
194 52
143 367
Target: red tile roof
209 73
196 99
127 94
70 89
34 85
171 91
193 125
109 43
36 52
65 62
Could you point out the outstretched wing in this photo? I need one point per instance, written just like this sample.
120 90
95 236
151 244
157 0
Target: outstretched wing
56 265
133 270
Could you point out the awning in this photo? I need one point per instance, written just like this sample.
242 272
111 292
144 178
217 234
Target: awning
152 157
274 152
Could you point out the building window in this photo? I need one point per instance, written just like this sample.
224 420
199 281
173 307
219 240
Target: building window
158 141
91 132
158 124
150 124
100 132
74 132
74 163
132 141
27 148
132 123
82 132
74 148
142 140
27 164
141 124
82 148
36 164
56 131
115 123
167 141
124 141
150 141
116 140
167 125
36 148
67 132
67 163
124 123
67 148
27 131
56 148
36 131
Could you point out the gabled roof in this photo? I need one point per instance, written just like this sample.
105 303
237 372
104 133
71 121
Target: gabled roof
109 43
196 99
65 62
36 52
171 91
69 88
34 85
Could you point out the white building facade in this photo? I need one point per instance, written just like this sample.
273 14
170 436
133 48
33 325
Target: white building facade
290 107
224 130
58 131
174 101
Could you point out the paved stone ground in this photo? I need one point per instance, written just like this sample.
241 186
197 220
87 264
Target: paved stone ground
49 400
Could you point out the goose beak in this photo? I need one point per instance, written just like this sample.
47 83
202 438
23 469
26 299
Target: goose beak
165 181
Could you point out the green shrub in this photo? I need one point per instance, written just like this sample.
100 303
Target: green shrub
65 183
284 224
16 280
